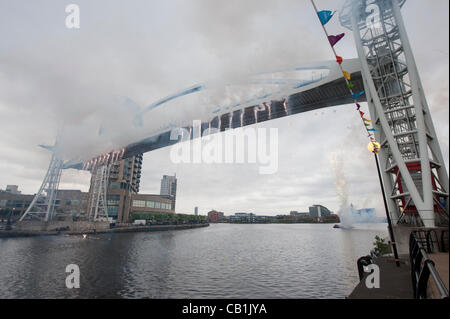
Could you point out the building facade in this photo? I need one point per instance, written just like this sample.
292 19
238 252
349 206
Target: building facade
319 211
124 181
169 188
147 204
69 203
13 204
215 216
13 189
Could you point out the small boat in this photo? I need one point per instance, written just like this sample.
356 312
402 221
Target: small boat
336 226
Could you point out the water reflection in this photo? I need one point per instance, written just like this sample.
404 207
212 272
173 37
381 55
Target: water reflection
220 261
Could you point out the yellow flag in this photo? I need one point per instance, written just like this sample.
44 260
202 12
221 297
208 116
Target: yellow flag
366 120
347 75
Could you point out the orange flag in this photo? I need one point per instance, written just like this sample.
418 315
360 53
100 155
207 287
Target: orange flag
347 75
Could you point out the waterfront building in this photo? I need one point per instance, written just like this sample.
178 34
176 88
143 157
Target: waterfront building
148 204
16 204
196 211
71 202
299 215
319 211
124 181
68 203
169 188
13 189
215 216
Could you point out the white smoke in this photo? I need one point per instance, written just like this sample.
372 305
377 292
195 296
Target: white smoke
345 210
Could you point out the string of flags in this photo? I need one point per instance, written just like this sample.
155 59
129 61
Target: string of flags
325 16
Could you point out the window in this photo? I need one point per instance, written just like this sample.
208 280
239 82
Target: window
157 205
113 211
113 200
150 204
138 203
114 185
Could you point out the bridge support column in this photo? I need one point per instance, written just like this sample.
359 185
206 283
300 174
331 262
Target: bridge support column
43 205
97 208
414 173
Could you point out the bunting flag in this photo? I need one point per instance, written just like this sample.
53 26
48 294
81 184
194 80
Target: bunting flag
347 75
357 95
335 38
325 16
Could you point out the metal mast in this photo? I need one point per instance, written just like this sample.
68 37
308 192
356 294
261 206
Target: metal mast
98 208
414 173
43 205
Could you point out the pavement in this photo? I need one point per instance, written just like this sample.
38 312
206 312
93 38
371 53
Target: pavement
441 263
395 282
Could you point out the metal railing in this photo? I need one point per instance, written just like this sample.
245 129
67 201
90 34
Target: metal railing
444 241
361 263
422 267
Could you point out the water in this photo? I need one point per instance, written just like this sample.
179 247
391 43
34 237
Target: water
220 261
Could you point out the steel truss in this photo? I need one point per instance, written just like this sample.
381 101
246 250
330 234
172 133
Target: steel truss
43 205
414 174
98 208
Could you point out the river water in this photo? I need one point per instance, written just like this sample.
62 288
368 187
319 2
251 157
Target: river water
220 261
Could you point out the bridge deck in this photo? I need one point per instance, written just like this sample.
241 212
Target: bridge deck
395 282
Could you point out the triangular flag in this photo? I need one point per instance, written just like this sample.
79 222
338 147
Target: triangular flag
366 120
358 107
372 130
325 16
357 95
366 124
347 75
350 85
335 38
339 59
362 113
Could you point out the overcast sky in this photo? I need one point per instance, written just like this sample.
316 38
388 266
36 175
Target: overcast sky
53 78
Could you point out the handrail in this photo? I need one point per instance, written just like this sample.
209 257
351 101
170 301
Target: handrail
421 269
361 263
444 243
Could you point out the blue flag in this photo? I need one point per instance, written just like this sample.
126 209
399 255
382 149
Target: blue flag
357 95
325 16
372 130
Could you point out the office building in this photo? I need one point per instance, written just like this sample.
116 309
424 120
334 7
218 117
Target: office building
12 189
124 181
215 216
319 211
169 188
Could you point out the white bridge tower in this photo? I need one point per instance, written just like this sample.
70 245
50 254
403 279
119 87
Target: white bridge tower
43 205
414 174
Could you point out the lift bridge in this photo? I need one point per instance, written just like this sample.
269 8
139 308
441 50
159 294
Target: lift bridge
415 179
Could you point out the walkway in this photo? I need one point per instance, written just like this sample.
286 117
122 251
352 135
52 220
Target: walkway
395 282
